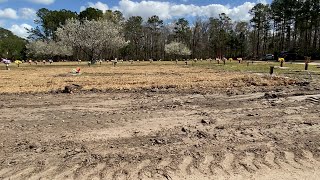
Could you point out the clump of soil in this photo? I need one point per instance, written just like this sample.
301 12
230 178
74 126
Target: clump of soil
72 88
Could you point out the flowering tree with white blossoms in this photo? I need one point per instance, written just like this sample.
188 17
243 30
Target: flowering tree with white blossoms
178 49
92 37
36 48
48 48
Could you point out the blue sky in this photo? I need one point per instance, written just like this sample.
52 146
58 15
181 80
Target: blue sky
16 15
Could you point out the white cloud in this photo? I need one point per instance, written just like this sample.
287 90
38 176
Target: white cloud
145 8
24 13
98 5
8 13
27 13
242 12
262 1
45 2
167 10
20 30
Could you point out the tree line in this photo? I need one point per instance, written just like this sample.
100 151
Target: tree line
283 25
12 46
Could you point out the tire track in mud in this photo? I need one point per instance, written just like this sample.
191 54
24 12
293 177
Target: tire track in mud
313 100
46 173
201 162
21 173
209 165
203 165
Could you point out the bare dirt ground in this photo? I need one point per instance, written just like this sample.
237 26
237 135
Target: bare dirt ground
161 135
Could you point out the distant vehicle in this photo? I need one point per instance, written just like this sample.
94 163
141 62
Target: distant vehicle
267 57
288 56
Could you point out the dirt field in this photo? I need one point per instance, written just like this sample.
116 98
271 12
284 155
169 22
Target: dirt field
249 131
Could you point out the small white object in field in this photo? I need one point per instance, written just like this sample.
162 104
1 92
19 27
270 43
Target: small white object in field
6 61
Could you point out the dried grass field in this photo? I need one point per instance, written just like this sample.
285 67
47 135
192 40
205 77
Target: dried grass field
203 76
159 121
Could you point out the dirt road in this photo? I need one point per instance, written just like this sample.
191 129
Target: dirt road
152 135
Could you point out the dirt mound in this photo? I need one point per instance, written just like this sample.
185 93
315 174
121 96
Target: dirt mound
263 81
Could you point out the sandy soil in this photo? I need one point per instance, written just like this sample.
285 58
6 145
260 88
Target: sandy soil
153 135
